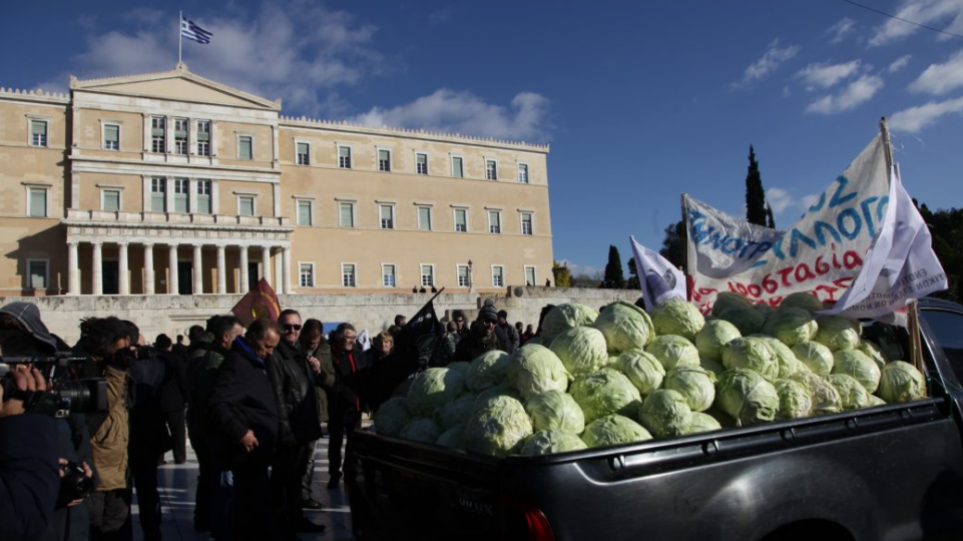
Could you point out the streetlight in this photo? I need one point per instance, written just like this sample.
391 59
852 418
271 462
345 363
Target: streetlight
471 280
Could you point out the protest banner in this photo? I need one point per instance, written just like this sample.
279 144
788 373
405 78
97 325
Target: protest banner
658 278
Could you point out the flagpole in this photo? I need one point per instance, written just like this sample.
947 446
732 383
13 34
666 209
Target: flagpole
688 264
887 145
180 37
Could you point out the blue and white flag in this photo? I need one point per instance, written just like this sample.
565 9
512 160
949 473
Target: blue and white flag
193 32
659 279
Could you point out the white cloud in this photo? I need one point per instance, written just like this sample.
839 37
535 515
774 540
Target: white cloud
582 270
899 63
938 79
826 76
463 112
856 93
841 29
944 14
914 119
779 199
785 205
767 63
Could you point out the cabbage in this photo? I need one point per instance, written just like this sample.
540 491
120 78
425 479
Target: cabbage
724 419
487 395
392 416
614 430
753 353
747 320
852 394
665 413
838 333
498 427
612 361
535 341
421 430
453 438
487 370
581 350
456 412
564 317
605 392
871 350
677 316
714 368
713 338
555 410
875 401
901 382
729 299
817 357
795 400
825 397
804 300
535 369
791 326
747 396
549 442
642 369
460 366
672 350
856 364
693 383
701 422
765 310
785 359
432 389
625 326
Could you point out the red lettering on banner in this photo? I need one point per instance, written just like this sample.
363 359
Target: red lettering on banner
852 260
822 268
803 273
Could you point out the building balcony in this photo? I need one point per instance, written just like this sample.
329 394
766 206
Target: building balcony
75 216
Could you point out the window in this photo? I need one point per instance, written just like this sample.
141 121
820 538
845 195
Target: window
304 154
946 326
245 205
457 166
421 163
111 137
180 135
388 275
38 273
384 160
304 212
245 147
204 197
111 200
182 191
498 276
424 218
491 170
494 221
526 223
37 207
387 216
158 134
529 276
158 195
38 133
461 220
523 173
463 280
348 278
347 215
344 157
306 274
203 137
427 275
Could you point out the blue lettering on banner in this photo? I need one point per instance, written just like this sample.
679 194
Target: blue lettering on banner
851 234
820 227
838 198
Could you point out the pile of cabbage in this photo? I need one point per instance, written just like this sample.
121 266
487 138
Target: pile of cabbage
623 375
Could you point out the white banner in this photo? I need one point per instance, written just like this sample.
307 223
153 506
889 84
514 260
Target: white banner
822 253
658 278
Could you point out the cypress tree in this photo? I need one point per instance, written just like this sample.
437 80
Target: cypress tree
755 194
614 278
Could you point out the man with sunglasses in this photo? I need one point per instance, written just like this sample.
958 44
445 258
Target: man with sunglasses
482 337
300 427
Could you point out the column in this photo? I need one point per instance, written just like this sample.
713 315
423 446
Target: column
173 284
198 269
221 270
123 274
98 274
148 269
245 277
73 269
286 269
266 264
279 275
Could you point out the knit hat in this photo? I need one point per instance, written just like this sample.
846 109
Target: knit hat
488 312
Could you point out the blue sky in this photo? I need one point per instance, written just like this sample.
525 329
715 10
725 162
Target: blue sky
640 101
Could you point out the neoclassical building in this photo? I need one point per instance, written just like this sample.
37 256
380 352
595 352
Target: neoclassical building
170 183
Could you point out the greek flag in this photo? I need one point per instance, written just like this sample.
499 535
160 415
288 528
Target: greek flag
193 32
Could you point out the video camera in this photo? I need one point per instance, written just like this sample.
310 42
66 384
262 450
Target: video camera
66 392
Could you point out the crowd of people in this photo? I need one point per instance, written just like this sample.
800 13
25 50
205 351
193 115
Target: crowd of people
257 401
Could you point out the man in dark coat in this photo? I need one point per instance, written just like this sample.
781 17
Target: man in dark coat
244 416
482 337
173 396
346 398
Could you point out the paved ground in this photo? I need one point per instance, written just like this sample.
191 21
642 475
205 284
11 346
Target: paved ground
177 487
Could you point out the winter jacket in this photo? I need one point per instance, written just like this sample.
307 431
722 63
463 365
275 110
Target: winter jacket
29 482
511 338
350 371
173 392
109 442
325 380
148 430
293 382
71 523
201 371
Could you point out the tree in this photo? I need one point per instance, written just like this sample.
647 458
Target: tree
755 194
633 281
770 221
614 278
563 277
673 246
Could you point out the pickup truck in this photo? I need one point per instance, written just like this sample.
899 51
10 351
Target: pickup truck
890 472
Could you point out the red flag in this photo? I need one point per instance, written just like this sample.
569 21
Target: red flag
259 303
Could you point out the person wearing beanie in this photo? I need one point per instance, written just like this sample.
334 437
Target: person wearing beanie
482 338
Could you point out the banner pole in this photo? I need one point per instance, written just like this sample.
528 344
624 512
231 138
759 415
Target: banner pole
887 145
180 36
688 264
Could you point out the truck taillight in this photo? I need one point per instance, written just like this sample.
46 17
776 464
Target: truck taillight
525 522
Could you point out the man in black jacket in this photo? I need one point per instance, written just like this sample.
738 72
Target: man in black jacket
300 426
173 396
244 416
346 399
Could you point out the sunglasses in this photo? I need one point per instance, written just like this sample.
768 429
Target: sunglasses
292 327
